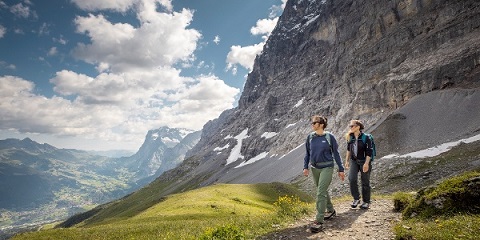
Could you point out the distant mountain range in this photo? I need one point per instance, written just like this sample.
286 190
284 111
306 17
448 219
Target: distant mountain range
113 153
35 177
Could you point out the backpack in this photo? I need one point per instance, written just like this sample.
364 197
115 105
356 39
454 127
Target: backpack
364 140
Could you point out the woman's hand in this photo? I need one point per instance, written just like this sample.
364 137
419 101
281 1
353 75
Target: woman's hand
347 164
365 167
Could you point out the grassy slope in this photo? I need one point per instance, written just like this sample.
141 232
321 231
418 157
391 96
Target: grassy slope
456 218
186 215
148 214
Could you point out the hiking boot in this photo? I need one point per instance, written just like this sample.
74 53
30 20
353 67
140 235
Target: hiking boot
316 227
329 215
355 203
365 205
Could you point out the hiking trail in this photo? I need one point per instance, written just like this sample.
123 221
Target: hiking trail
374 223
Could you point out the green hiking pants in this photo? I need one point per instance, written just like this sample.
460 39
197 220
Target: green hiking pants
322 178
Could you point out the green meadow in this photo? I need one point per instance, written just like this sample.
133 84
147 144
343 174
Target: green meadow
223 211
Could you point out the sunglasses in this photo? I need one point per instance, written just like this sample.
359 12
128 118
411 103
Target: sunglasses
351 126
313 123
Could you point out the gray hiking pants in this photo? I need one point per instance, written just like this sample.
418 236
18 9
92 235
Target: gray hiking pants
356 166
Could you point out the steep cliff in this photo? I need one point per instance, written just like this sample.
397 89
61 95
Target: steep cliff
342 59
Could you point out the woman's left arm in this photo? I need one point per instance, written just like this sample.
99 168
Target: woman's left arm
368 154
336 154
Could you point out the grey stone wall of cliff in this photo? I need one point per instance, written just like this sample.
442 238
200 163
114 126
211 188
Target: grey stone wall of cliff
347 59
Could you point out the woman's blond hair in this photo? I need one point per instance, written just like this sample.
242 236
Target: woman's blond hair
356 122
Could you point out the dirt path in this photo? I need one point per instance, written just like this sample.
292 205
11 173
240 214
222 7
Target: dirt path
374 223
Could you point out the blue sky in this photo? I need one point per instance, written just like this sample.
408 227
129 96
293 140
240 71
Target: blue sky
98 74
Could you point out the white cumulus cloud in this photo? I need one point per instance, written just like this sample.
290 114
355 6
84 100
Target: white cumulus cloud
245 56
264 26
161 41
3 30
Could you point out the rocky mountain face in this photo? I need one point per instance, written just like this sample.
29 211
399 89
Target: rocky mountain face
343 60
162 150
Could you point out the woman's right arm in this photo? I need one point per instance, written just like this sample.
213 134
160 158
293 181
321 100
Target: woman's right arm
306 159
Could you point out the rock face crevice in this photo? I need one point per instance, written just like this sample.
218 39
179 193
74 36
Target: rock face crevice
344 60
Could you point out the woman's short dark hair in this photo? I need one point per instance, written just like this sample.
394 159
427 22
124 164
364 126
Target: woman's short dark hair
320 119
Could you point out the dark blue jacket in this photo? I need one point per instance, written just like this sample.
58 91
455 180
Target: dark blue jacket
319 154
364 150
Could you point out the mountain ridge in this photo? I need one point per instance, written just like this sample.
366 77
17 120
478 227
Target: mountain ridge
41 183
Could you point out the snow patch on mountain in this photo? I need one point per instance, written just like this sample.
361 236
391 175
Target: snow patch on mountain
300 102
218 149
235 154
254 159
168 140
268 135
434 151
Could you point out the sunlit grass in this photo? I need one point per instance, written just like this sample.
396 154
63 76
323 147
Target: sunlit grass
231 211
458 227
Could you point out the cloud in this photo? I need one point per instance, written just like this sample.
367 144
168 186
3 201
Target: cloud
264 26
3 30
44 29
161 40
276 10
30 113
60 40
124 89
18 31
20 11
7 65
93 5
53 51
119 5
123 114
245 56
216 40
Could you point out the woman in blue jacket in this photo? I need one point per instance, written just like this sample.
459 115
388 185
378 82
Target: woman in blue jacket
321 153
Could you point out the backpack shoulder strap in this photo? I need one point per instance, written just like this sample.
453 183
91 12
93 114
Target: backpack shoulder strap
351 138
364 137
310 137
328 137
